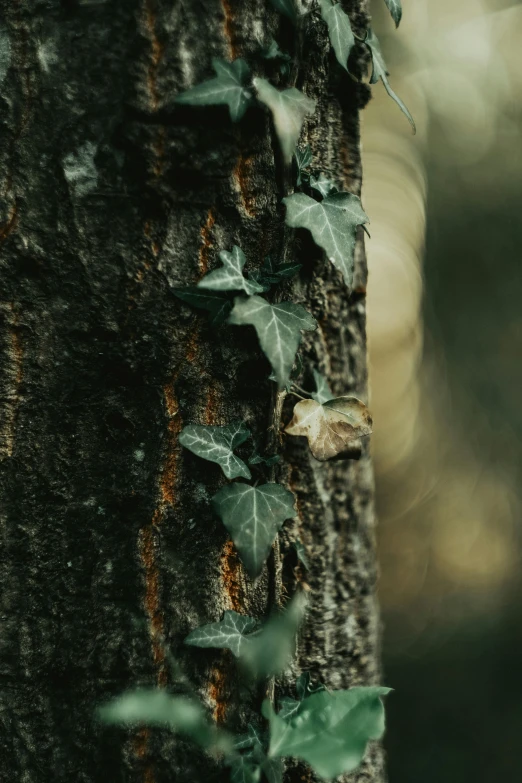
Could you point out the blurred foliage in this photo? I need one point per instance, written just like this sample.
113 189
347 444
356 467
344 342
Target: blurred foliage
445 335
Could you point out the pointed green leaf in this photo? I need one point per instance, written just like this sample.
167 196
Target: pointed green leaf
271 273
303 160
289 109
227 87
278 328
257 459
330 730
395 9
253 516
229 277
273 52
301 554
217 444
229 633
379 71
323 392
339 30
332 223
244 770
216 303
156 707
271 649
323 185
287 8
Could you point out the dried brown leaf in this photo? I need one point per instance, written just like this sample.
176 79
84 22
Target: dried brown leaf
331 427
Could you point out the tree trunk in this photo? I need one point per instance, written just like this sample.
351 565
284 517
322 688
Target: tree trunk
112 196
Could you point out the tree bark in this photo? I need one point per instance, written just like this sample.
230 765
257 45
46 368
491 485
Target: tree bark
110 554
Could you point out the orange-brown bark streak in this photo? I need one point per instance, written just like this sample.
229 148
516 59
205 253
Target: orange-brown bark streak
13 375
240 176
206 243
229 28
216 692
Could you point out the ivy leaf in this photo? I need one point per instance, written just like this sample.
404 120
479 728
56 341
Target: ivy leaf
301 554
339 30
271 273
216 303
332 426
157 707
253 516
273 52
323 185
395 9
257 459
278 328
287 8
289 109
230 276
332 223
227 87
379 71
244 771
229 633
217 444
271 648
330 730
323 392
303 159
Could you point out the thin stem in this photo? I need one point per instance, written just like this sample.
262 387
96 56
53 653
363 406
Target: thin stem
302 391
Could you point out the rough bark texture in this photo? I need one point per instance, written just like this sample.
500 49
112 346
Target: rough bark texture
109 552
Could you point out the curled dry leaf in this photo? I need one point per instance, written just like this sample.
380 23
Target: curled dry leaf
331 427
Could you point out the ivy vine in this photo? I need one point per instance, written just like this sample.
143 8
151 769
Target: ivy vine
329 730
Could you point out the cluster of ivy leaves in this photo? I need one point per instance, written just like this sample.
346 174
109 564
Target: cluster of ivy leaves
329 730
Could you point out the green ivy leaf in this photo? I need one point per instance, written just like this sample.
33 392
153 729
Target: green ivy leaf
216 303
289 109
323 392
230 277
339 30
270 649
271 273
330 730
303 159
257 459
245 771
395 9
229 633
379 71
227 87
301 554
323 185
330 428
273 52
253 516
157 707
217 444
333 224
287 8
278 328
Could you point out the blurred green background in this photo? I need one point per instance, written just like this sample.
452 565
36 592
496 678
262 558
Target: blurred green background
445 328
